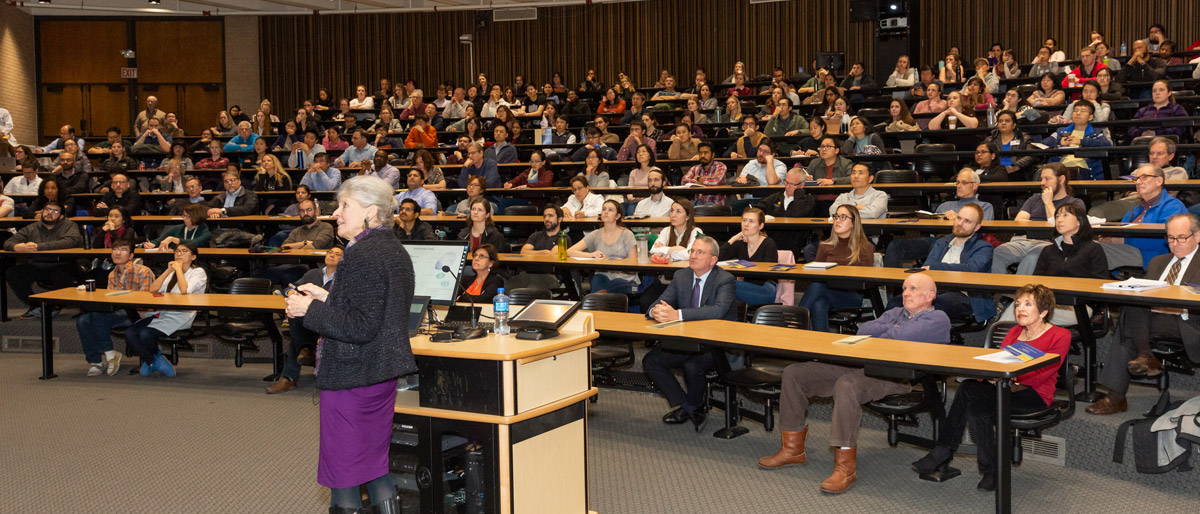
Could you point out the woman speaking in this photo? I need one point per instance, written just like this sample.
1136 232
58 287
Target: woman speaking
363 348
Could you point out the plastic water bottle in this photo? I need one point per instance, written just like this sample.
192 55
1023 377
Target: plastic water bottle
500 312
991 115
1123 48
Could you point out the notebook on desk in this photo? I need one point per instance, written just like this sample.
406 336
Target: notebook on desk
8 163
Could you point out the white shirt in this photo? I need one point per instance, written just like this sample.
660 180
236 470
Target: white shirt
703 280
661 248
649 207
953 253
168 322
1183 267
20 186
6 126
874 203
592 203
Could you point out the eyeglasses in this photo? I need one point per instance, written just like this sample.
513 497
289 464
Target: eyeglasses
231 180
1147 176
842 217
978 152
1179 239
51 211
826 147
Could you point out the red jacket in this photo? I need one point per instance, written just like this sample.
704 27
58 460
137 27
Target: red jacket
1057 340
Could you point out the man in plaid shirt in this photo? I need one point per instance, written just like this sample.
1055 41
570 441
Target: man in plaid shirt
94 327
707 173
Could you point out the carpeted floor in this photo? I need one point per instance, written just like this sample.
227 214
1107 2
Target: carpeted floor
211 441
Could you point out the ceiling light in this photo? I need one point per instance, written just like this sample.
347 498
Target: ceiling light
155 2
43 1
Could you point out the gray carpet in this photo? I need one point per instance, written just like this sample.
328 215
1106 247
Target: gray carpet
211 441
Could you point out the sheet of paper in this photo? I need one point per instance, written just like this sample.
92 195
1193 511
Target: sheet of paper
1002 357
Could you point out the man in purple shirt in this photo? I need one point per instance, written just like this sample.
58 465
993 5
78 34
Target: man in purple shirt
850 387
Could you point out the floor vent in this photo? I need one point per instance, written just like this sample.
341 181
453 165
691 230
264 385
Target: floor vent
24 344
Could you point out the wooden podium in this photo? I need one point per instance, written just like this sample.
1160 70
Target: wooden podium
497 425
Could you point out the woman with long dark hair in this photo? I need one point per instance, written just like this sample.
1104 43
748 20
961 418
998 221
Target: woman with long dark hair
847 245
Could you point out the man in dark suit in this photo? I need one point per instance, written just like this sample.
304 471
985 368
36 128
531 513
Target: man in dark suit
235 200
701 291
792 202
1139 325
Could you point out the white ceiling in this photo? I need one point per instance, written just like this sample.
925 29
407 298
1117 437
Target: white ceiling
271 7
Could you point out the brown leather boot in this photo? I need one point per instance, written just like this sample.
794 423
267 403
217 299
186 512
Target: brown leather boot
790 454
845 472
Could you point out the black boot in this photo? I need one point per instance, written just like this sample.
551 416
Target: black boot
388 506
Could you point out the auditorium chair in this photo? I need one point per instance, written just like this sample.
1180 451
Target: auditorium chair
760 376
875 115
901 203
526 295
608 354
240 330
1031 424
522 210
713 210
933 168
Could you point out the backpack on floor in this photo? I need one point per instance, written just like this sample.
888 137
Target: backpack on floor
1155 452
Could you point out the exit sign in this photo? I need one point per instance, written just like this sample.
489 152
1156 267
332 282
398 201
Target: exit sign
129 73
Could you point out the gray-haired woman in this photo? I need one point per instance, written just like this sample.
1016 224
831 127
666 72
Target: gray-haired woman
363 347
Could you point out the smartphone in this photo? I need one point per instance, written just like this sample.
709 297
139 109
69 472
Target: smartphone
914 270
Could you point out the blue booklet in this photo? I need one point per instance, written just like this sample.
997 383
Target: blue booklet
1024 351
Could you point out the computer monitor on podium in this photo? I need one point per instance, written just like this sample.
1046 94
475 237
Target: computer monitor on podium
428 258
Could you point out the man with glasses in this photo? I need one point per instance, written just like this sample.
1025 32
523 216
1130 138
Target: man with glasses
95 327
477 164
583 203
51 232
966 185
1161 153
417 192
1139 325
700 291
193 188
792 202
593 139
119 194
1154 206
235 200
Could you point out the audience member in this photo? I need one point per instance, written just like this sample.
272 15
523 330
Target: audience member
95 327
966 186
752 244
975 401
481 229
51 232
850 387
611 241
478 164
708 172
409 226
234 200
700 291
847 245
1022 250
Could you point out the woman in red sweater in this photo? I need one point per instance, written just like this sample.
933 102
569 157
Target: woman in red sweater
975 402
538 175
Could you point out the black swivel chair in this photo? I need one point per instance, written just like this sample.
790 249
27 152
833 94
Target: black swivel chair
760 377
241 330
526 295
608 354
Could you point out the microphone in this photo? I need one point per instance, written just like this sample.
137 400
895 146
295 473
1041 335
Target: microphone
474 319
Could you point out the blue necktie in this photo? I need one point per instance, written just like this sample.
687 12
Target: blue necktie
696 294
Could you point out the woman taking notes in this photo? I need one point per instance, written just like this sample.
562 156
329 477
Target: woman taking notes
363 349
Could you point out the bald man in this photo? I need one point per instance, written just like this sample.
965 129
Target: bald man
152 112
850 387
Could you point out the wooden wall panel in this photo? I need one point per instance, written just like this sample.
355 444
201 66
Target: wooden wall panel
300 54
1024 24
61 106
200 108
180 51
107 108
80 52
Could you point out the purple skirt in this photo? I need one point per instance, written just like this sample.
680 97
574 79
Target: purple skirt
356 429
